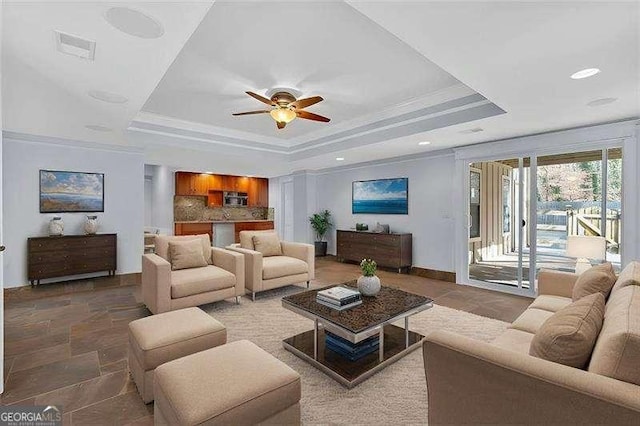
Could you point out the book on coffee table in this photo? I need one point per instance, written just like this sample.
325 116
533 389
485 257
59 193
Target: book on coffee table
339 307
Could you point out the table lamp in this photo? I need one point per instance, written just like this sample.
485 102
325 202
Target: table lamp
584 248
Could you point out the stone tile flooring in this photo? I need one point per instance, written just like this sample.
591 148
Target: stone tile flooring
66 343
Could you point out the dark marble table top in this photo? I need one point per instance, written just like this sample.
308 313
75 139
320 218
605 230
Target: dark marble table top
374 310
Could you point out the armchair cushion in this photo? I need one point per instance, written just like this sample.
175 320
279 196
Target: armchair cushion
162 245
246 238
187 282
550 303
186 254
597 279
268 244
531 320
282 266
569 335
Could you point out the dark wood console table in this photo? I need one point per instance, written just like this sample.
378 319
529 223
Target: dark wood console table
388 250
52 257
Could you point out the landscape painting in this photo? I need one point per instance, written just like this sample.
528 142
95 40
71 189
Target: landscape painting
63 192
382 196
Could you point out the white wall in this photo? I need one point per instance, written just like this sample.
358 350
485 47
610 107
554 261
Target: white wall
430 205
159 200
124 200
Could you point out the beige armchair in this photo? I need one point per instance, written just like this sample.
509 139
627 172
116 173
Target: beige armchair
166 290
295 265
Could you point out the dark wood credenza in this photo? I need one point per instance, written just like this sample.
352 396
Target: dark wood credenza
52 257
388 250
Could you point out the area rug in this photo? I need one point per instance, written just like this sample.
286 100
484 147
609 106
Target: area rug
395 395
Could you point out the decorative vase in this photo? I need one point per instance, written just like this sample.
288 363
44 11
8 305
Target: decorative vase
369 286
320 248
91 225
56 226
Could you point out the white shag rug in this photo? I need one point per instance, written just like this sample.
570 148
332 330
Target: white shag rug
396 395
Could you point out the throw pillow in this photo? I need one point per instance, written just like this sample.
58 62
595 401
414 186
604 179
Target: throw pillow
186 254
599 278
268 244
568 336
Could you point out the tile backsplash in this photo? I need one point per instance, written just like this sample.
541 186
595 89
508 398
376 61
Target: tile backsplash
187 208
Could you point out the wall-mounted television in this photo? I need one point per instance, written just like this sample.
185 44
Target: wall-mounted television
381 196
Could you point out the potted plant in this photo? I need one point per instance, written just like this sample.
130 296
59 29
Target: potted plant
368 283
321 223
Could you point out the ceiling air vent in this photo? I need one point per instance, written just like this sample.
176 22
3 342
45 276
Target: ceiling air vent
74 45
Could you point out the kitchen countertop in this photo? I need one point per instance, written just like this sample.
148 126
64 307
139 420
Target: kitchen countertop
224 221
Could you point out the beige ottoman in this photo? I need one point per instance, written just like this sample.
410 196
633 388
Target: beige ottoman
234 384
161 338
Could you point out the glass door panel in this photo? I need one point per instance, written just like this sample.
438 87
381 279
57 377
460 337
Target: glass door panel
570 192
498 234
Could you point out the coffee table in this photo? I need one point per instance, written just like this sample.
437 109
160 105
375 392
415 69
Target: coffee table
374 317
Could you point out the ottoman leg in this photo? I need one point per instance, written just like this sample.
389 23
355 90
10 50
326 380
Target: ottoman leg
253 296
237 300
307 284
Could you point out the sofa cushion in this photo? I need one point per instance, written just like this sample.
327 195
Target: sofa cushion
186 254
282 266
170 335
599 278
268 244
550 303
531 320
162 245
246 238
629 276
617 350
187 282
514 340
237 383
569 335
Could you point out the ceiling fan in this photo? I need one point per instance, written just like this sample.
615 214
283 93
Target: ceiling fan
286 108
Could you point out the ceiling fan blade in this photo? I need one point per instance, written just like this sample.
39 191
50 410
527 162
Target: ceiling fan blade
303 103
251 112
311 116
261 98
280 124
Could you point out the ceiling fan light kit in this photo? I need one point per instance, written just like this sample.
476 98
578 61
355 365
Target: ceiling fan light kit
285 108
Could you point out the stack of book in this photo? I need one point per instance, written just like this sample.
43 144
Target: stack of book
351 351
339 298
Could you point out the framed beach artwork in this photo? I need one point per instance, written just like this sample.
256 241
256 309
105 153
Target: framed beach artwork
381 196
69 192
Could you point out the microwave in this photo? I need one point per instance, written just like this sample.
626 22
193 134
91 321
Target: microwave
237 199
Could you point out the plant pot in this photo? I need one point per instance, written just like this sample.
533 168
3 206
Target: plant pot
321 248
369 286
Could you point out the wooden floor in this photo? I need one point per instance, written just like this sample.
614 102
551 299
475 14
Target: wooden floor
66 344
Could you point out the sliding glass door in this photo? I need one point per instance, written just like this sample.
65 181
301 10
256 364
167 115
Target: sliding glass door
498 230
550 211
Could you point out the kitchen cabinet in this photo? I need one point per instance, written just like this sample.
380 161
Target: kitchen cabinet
192 183
258 192
212 186
194 228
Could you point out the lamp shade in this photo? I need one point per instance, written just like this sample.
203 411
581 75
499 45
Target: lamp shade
283 115
582 246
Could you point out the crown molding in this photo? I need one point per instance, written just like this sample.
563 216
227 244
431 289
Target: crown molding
75 143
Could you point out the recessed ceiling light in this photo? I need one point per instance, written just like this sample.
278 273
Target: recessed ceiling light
424 143
588 72
134 23
600 102
339 158
474 130
98 128
112 98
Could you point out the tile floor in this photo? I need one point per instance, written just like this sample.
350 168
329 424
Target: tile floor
66 343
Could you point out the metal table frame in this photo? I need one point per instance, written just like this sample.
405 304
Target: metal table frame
319 322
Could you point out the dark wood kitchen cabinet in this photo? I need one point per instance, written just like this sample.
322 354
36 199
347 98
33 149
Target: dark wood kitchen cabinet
53 257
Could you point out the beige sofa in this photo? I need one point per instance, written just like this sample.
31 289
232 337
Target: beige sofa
296 265
166 290
470 381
